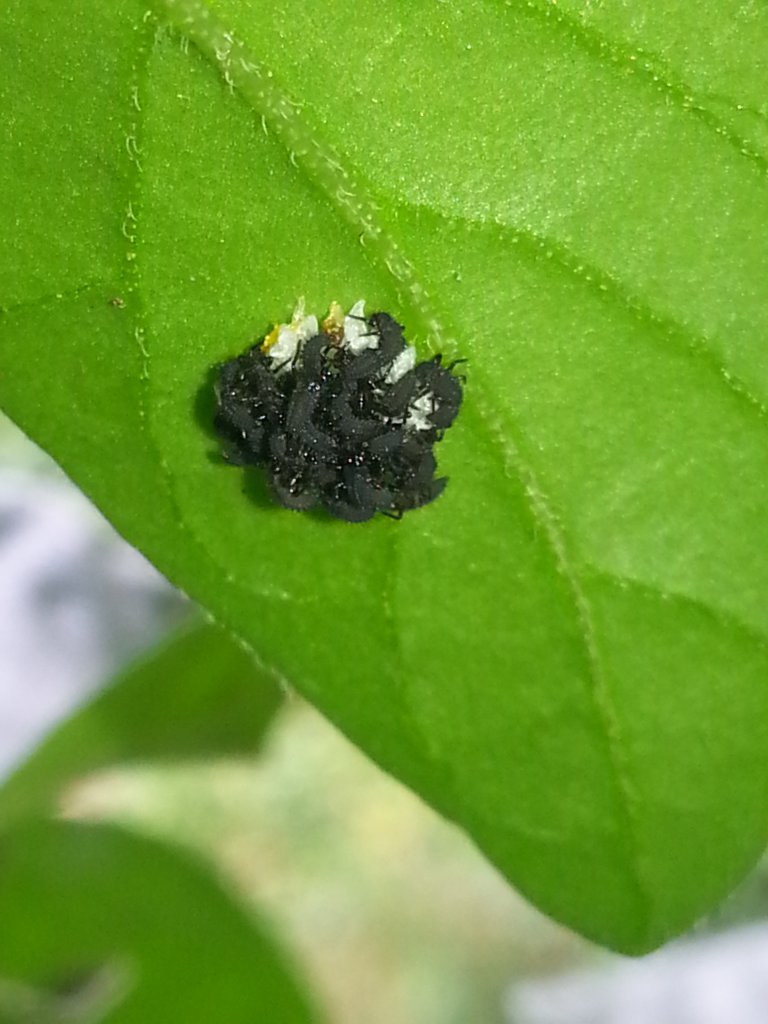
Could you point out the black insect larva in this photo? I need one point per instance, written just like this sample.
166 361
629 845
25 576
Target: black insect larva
388 329
249 408
339 416
444 388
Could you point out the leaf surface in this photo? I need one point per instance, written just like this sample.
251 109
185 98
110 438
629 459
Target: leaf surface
566 653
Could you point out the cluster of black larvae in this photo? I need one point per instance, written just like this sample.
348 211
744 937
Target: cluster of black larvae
339 414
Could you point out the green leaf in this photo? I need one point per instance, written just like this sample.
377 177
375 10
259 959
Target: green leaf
197 695
566 653
77 902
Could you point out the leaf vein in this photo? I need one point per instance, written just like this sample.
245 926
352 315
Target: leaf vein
720 616
651 69
318 159
138 93
554 535
41 301
611 289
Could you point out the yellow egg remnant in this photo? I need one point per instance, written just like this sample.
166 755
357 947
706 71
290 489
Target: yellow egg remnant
333 325
270 339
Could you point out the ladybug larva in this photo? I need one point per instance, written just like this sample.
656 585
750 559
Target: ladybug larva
339 414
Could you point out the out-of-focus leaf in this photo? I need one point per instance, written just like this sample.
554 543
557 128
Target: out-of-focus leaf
76 901
199 694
